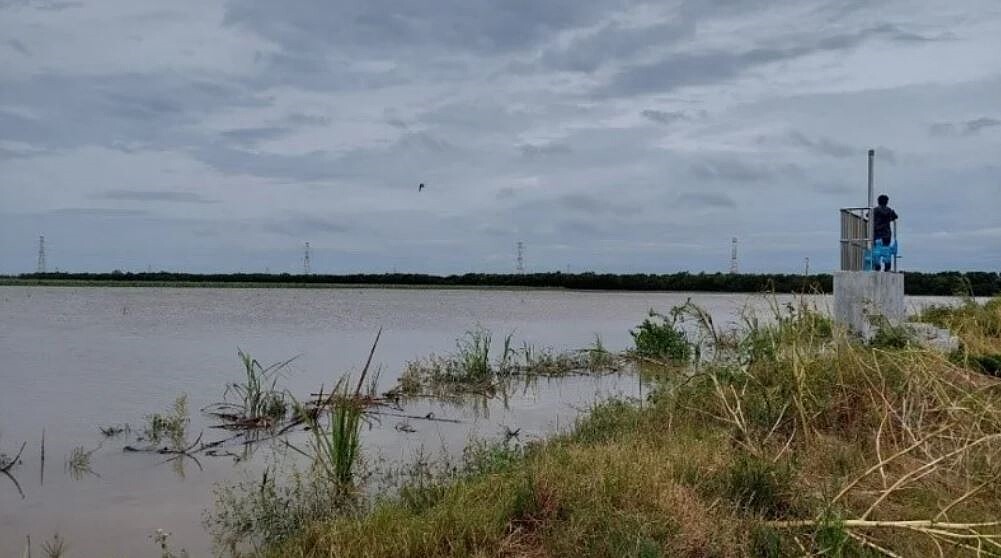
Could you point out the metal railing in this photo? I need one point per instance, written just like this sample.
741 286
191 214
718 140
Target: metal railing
855 241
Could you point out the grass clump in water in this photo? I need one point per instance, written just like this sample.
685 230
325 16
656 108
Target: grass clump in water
797 440
658 337
472 369
259 403
171 426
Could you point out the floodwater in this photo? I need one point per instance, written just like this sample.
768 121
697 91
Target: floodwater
74 359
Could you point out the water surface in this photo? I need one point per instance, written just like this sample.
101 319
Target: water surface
73 359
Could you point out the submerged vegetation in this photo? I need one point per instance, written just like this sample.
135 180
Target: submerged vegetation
472 370
787 438
259 403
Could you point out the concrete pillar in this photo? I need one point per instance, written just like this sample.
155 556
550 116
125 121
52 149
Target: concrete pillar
865 299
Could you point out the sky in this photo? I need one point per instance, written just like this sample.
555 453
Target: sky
606 135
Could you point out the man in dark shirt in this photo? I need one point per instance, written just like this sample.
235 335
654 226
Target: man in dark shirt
882 216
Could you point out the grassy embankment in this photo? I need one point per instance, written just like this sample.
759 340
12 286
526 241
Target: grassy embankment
791 439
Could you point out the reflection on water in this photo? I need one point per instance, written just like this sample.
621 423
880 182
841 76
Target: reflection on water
79 364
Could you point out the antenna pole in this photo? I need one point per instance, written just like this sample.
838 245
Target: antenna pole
42 263
733 256
521 257
872 222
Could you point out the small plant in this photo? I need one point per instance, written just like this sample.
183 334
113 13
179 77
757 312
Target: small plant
114 430
161 538
259 395
473 354
171 426
890 336
598 357
56 548
659 337
264 511
78 463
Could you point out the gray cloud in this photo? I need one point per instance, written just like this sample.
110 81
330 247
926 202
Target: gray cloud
615 41
101 212
965 128
734 170
311 120
825 146
702 68
252 136
706 200
385 25
155 196
300 119
18 46
543 149
305 226
662 117
47 5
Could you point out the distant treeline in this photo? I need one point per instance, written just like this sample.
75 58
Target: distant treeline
943 283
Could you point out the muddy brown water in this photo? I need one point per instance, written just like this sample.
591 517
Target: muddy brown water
74 359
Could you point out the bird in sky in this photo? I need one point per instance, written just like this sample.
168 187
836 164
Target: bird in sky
420 187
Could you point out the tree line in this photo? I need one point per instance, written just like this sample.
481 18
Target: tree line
945 283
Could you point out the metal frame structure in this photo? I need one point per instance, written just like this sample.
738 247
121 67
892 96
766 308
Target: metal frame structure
856 238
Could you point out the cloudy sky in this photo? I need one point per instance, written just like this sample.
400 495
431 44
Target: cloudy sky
611 135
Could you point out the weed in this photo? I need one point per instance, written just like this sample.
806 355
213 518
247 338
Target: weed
659 337
55 548
161 538
79 462
265 511
336 445
171 426
114 430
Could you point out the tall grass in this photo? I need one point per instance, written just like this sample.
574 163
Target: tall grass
258 396
336 445
473 369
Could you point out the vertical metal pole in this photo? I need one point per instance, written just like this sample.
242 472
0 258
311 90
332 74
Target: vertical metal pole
872 222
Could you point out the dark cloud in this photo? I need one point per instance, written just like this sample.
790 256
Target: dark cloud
706 200
156 111
543 149
18 46
154 196
723 168
825 146
300 119
965 128
613 42
483 26
702 68
662 117
592 205
48 5
98 212
253 136
300 226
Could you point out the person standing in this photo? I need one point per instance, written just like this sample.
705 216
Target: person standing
882 231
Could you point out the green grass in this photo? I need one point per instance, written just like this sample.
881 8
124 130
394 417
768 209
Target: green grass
473 369
793 439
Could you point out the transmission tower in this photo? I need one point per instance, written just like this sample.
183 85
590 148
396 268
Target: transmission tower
306 261
733 255
521 257
806 266
42 264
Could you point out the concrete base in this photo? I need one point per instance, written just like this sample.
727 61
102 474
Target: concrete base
863 300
